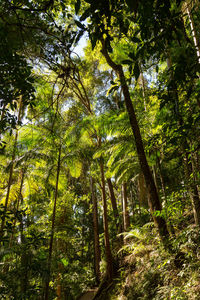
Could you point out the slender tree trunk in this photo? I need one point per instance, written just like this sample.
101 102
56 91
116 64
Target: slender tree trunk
52 230
132 197
194 33
24 259
10 172
142 191
59 288
19 199
114 205
142 84
193 191
154 201
195 168
2 116
125 207
97 253
109 259
161 179
171 227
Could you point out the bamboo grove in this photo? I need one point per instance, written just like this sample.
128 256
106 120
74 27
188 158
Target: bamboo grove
100 155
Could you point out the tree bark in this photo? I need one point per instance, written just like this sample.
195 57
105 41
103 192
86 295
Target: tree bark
194 33
142 191
52 229
19 199
125 207
97 253
11 172
109 259
193 192
154 201
114 205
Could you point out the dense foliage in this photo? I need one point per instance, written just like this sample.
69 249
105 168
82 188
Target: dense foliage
100 155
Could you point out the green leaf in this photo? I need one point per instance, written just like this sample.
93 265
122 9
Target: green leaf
65 262
86 14
112 89
77 6
132 55
80 25
136 71
79 36
127 62
93 39
135 39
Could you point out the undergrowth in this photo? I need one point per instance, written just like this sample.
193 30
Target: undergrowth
150 272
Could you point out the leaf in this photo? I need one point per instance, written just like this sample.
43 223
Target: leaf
75 168
79 36
127 62
77 6
65 262
80 25
136 71
112 89
86 14
157 69
135 39
93 39
132 55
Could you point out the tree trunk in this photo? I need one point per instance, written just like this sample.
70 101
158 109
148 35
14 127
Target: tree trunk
141 82
194 33
97 253
11 172
109 259
125 207
2 116
154 201
193 192
114 205
52 230
143 193
19 199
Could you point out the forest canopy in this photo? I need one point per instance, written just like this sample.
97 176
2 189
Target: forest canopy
100 149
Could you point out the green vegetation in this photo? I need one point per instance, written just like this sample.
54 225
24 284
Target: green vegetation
100 155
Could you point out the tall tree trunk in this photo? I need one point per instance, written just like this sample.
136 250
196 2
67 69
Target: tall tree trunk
193 191
52 229
154 201
19 199
109 259
141 82
11 172
24 259
171 227
97 253
194 33
114 205
2 116
125 207
142 191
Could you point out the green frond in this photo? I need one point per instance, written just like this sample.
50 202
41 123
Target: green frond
75 168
